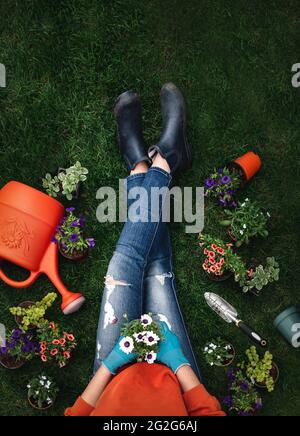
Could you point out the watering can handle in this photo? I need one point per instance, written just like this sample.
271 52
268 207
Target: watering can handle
31 279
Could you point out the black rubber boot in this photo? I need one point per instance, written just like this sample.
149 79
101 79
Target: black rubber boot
173 145
128 113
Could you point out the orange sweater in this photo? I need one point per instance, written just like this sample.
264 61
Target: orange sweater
148 390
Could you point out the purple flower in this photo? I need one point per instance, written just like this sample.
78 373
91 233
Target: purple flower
74 237
228 401
231 375
229 191
64 246
244 386
91 242
209 183
233 204
63 220
220 170
75 223
70 209
225 179
16 333
53 239
222 202
258 404
82 220
3 350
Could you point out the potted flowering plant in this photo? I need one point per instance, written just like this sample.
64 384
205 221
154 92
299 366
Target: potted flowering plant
259 276
262 371
142 337
242 399
42 392
19 348
70 237
245 222
222 184
67 182
28 314
220 261
56 346
219 352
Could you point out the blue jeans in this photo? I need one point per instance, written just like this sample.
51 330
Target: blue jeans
140 276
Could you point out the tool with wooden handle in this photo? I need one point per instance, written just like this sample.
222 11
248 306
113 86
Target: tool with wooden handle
229 314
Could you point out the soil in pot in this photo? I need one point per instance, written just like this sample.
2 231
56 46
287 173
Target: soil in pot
229 361
10 362
76 255
19 319
225 276
34 404
274 374
233 166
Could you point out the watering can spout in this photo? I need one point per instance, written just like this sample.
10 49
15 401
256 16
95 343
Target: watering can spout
71 301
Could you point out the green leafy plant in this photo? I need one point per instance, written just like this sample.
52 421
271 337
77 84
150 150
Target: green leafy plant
70 233
51 185
33 315
259 369
260 276
42 391
242 398
218 352
142 337
220 257
246 222
55 345
66 182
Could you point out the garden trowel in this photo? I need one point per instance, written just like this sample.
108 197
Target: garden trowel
229 314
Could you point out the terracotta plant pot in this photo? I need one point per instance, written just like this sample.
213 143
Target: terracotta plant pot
249 163
19 319
274 374
10 362
34 405
75 256
225 276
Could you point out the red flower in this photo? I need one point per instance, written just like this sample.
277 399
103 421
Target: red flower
44 358
220 250
67 355
70 337
55 342
212 260
211 254
214 247
52 325
44 344
222 260
218 265
205 251
54 352
42 349
212 269
62 341
205 267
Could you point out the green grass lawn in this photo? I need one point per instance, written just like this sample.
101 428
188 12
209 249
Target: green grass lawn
67 61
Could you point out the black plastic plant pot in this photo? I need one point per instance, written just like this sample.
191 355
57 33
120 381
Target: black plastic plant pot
286 322
225 276
78 191
10 362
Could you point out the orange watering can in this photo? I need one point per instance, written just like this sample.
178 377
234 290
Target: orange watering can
28 219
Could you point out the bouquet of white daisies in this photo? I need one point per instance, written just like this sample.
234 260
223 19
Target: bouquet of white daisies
141 337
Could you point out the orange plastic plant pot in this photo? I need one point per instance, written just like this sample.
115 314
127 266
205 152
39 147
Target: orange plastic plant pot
250 164
28 219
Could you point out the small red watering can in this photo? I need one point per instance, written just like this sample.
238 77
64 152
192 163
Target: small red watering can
28 219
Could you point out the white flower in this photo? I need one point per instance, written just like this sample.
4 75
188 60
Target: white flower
150 357
44 377
211 364
241 232
244 226
49 401
206 349
218 357
243 204
139 337
246 199
150 338
146 320
268 214
28 386
37 392
210 351
42 383
126 345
